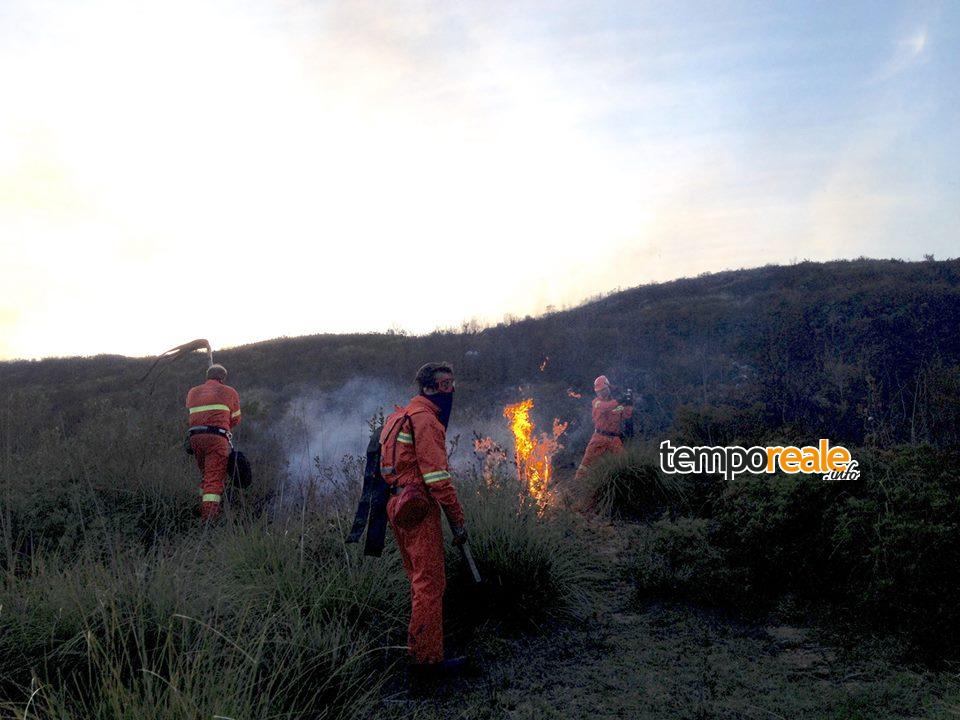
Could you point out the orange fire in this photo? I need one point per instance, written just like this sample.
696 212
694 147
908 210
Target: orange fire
533 454
571 393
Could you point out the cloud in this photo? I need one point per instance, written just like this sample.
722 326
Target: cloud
907 53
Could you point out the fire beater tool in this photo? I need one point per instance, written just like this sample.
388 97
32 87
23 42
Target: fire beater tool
468 557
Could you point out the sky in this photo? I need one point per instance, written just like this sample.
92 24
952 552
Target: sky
248 170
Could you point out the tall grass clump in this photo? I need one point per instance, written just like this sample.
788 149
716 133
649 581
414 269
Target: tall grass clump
536 564
237 621
630 485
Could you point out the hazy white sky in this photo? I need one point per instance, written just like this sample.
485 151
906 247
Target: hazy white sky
245 170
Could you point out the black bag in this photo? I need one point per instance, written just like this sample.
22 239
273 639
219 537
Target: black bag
372 508
238 470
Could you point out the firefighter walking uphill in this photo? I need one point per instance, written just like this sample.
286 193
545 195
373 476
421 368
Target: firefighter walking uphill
213 411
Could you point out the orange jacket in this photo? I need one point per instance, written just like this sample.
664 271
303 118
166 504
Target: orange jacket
415 450
608 413
213 403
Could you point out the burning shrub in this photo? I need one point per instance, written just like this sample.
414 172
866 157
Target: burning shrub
492 456
533 454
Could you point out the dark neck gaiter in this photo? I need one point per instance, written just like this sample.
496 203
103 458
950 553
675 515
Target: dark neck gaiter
444 401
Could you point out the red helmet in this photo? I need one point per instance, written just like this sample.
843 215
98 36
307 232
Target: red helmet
600 383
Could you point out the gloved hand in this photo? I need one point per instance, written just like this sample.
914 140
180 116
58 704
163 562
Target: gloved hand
459 535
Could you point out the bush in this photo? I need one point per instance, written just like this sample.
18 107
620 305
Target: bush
878 554
777 527
680 559
896 544
881 553
629 485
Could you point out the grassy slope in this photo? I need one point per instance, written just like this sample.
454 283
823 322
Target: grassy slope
858 332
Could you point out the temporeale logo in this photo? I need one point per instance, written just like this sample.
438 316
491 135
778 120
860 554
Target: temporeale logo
831 463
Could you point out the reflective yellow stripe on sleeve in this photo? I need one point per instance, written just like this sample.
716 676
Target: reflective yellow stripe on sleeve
207 408
211 497
236 414
405 438
437 476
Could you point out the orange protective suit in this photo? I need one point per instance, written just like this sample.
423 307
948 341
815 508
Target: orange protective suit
217 405
414 450
607 415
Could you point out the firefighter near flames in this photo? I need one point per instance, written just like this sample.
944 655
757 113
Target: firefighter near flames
612 422
408 484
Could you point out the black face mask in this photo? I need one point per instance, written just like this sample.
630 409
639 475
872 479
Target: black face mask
444 401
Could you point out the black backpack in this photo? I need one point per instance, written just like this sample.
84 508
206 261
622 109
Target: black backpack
372 508
238 470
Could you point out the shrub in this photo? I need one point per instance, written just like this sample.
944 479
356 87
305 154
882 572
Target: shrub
777 527
535 566
680 559
896 543
878 554
881 553
629 485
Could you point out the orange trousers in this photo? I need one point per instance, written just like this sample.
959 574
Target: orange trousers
212 453
598 445
421 549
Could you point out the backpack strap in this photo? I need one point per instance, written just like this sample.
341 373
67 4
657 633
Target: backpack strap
398 423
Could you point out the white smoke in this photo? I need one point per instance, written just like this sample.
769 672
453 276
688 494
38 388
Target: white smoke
335 425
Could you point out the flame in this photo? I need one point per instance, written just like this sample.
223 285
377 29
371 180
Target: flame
533 454
543 365
573 394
